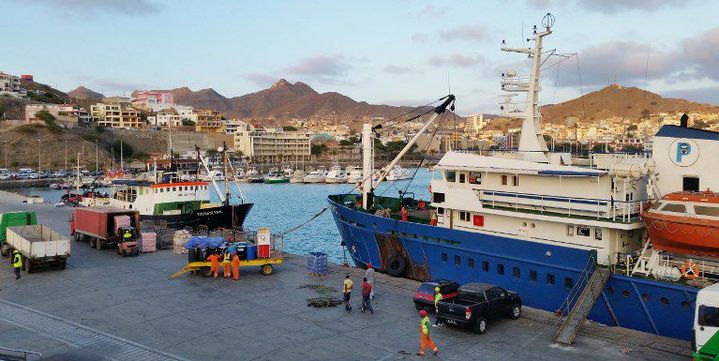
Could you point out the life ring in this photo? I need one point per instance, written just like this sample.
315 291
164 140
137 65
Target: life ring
396 266
690 270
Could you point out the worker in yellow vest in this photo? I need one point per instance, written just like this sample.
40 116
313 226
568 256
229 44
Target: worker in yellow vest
226 262
16 263
437 297
425 341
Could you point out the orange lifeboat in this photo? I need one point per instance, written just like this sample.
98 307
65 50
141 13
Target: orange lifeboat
685 223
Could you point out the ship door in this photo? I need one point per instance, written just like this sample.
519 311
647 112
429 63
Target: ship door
690 183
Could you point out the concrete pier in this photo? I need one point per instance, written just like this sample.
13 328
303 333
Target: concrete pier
105 307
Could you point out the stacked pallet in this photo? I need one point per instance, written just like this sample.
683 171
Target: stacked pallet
178 241
149 241
317 264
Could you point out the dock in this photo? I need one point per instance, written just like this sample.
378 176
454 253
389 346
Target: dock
105 307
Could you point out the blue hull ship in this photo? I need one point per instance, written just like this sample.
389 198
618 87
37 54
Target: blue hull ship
543 274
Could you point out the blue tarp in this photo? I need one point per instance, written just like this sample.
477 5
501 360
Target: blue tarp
204 242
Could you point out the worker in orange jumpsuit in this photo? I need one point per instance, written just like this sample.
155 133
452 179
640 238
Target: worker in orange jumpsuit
404 214
424 328
214 263
226 265
235 266
433 219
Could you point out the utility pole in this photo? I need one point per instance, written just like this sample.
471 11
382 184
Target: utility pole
122 163
66 155
38 155
96 157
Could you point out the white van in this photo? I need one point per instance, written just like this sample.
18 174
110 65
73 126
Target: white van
24 170
706 317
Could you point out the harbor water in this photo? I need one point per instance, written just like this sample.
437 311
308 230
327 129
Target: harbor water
284 206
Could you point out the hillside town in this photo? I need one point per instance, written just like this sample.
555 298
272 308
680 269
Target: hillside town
269 139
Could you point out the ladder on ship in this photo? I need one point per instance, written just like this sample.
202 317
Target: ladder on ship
584 303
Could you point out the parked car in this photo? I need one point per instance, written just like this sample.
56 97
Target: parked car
476 303
424 296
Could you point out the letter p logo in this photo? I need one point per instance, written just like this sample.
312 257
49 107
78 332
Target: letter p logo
683 150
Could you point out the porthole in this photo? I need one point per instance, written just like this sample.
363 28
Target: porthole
645 297
610 290
664 301
625 293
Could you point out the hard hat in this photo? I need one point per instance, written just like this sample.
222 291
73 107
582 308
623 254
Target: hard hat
436 289
369 265
15 251
423 313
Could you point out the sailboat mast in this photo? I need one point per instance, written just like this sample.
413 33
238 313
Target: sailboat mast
224 172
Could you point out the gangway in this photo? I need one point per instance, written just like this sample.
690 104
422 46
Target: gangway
568 330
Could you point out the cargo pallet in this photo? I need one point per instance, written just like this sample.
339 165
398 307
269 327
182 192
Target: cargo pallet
203 268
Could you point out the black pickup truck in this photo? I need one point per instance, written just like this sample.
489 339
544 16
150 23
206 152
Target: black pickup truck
476 303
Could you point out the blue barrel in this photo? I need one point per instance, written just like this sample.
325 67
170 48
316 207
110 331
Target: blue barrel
251 252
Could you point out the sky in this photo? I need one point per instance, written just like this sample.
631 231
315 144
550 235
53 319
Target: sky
402 52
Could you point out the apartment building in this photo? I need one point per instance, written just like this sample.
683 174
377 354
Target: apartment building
266 145
167 118
234 125
69 115
149 97
207 120
9 84
116 115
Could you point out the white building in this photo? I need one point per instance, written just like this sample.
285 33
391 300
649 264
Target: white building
9 84
234 125
476 121
273 144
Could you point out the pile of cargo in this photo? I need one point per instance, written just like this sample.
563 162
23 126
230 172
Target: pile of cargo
179 240
149 242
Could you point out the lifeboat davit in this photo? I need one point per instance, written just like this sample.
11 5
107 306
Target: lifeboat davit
685 223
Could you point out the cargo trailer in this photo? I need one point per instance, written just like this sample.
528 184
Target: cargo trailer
105 227
10 219
39 245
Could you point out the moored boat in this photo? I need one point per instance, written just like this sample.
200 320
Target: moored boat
275 177
298 176
336 175
315 176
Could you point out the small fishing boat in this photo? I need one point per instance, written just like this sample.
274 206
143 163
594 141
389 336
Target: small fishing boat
336 175
354 175
315 176
298 176
275 177
685 223
253 176
398 173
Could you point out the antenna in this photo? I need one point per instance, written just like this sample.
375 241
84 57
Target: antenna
449 87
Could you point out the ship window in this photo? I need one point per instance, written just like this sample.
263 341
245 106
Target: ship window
504 179
444 256
664 301
515 180
583 231
464 216
450 176
625 293
645 297
550 279
437 197
440 210
675 208
570 230
470 262
706 211
485 266
690 184
598 233
533 276
162 190
475 178
500 269
568 283
708 316
515 272
457 260
462 177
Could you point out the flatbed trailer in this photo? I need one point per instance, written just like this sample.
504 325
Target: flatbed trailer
203 268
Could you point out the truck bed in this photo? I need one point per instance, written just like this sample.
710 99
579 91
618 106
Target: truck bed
38 241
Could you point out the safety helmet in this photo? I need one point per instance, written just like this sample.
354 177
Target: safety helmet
15 251
436 289
423 313
369 265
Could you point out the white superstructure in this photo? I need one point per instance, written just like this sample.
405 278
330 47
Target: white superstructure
336 175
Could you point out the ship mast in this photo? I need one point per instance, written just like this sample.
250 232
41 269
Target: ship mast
531 142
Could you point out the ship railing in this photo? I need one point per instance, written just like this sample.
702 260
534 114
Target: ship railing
574 293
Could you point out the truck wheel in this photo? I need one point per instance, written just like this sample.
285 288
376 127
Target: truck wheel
63 264
516 311
481 326
92 242
98 244
267 269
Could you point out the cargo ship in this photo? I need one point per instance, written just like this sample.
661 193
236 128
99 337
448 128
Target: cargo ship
550 226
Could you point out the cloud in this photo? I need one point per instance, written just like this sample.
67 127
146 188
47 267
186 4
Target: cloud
327 68
701 53
431 10
93 7
545 4
258 78
615 6
400 69
466 32
420 37
708 95
456 60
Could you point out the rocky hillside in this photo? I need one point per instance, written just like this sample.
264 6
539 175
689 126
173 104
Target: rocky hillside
284 100
81 93
618 101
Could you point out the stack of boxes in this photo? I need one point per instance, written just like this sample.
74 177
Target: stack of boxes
149 242
178 241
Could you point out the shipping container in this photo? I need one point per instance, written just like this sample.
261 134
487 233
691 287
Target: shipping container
39 245
102 228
